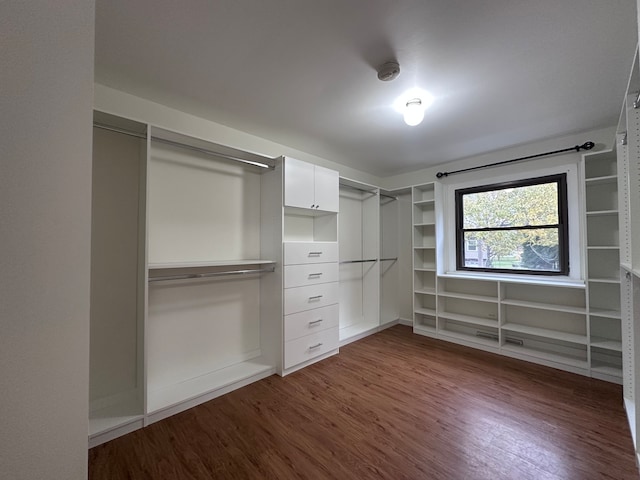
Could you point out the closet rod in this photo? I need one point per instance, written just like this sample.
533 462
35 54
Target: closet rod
358 188
266 163
388 196
394 259
359 261
123 131
211 274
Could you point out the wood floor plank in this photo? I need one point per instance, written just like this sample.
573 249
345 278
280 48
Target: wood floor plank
391 406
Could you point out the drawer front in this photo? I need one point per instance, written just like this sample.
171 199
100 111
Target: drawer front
304 323
310 346
299 299
301 275
296 253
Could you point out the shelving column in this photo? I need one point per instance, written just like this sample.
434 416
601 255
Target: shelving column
603 265
424 260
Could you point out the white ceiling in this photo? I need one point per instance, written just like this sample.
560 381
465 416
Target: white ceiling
303 72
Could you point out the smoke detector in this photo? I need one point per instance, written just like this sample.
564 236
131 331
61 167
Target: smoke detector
389 71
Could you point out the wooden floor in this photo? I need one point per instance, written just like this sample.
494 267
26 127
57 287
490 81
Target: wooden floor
394 406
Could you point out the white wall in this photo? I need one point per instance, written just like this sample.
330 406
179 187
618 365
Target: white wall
129 106
45 208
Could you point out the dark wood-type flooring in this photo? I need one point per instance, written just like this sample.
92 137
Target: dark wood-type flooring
393 406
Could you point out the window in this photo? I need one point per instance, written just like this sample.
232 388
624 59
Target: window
514 227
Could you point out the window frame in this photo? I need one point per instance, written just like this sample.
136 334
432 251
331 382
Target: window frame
562 226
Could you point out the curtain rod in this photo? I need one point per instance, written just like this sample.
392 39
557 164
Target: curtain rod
577 148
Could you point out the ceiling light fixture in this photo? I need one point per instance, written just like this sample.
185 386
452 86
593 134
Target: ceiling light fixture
413 112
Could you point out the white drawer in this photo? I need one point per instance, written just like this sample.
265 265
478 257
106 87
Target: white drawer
301 275
304 323
310 252
310 346
299 299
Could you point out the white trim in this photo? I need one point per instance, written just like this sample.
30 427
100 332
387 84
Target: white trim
446 227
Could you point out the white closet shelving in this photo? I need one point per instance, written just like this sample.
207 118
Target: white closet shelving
359 239
179 314
424 260
533 319
389 258
203 330
309 288
603 265
116 376
628 170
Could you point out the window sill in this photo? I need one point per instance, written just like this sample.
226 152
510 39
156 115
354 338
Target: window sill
561 281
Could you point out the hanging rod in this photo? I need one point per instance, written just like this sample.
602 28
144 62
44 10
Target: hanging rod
211 274
267 163
123 131
388 196
394 259
359 261
577 148
372 192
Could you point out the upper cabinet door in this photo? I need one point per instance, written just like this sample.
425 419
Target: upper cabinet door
327 195
298 184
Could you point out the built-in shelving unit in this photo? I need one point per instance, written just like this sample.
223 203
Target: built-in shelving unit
118 277
310 288
603 265
178 271
425 308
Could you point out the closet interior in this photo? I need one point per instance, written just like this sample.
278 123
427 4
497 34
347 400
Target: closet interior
214 267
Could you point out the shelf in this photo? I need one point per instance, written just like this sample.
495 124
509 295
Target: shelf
604 247
204 264
606 369
545 306
109 418
544 355
596 312
424 224
424 202
601 180
425 311
596 213
469 338
468 296
357 329
159 399
604 280
424 329
425 269
425 291
606 344
425 248
457 317
546 333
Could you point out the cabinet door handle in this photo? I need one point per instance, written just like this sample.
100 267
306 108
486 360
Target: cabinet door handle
315 275
315 254
317 207
313 206
315 322
317 297
317 345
